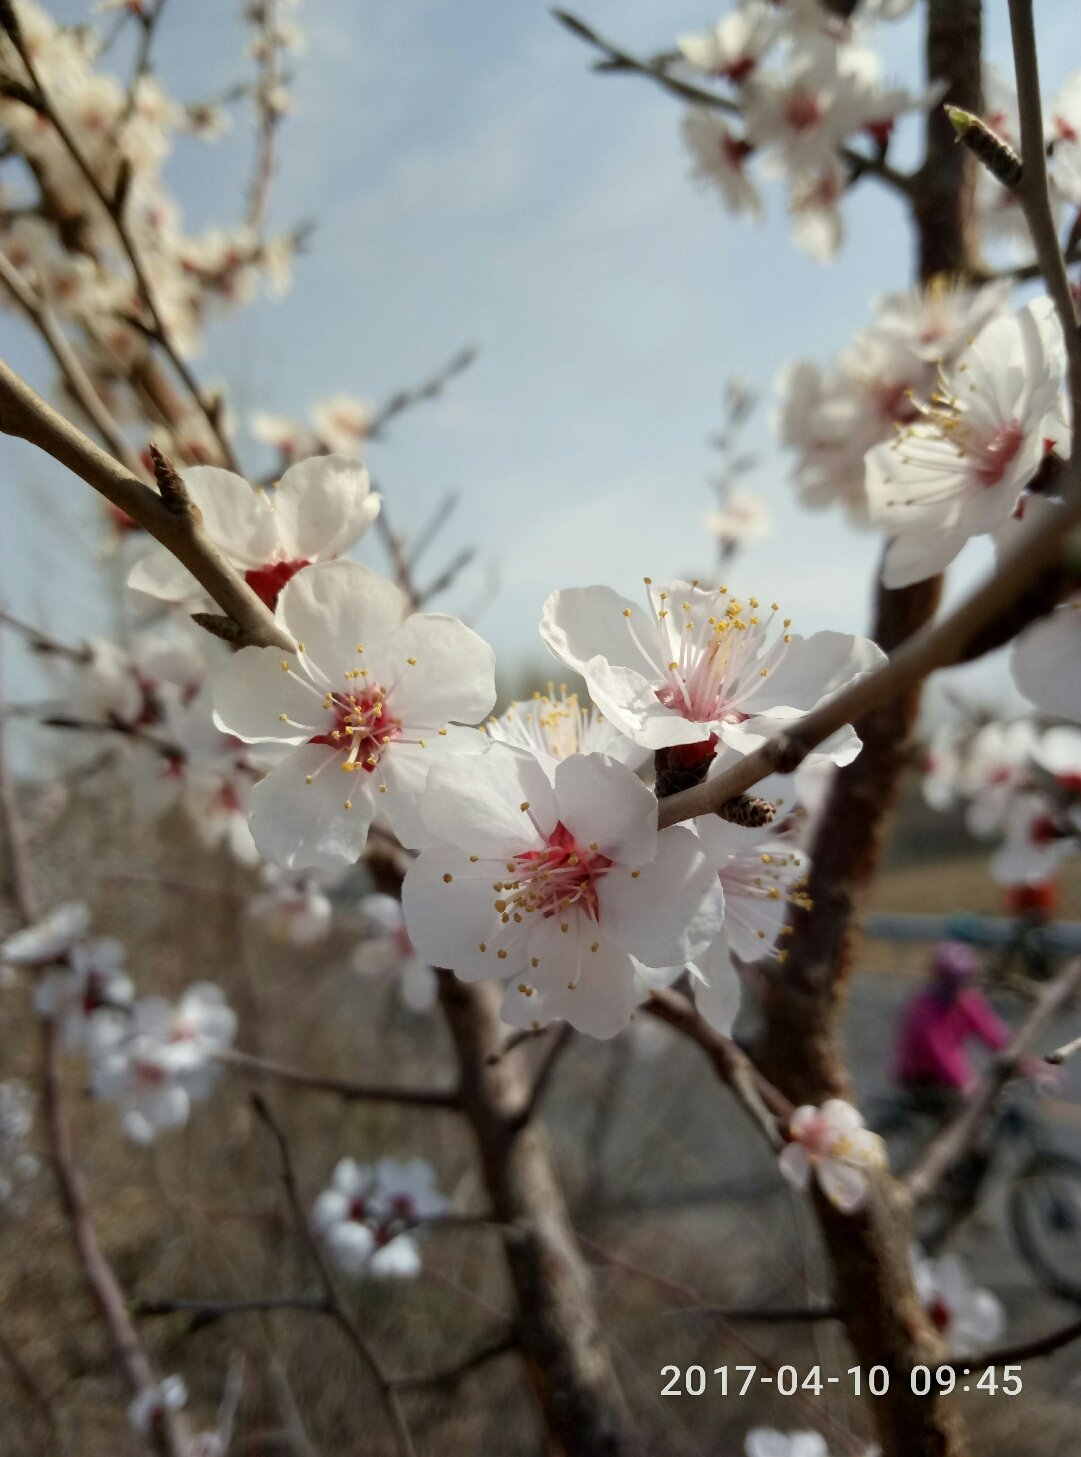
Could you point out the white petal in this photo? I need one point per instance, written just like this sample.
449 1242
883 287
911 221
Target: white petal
335 606
236 517
160 575
448 920
306 826
452 677
671 910
811 669
1046 663
322 506
252 691
476 802
351 1245
916 555
331 1208
602 802
592 990
795 1165
398 1260
844 1186
717 987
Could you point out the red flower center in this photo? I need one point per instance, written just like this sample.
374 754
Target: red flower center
362 727
559 877
266 582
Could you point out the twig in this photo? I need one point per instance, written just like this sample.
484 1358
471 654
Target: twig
32 1389
206 1312
1064 1053
447 576
938 645
23 413
41 642
269 118
1023 1351
336 1310
450 1375
956 1138
765 1104
779 1315
245 1063
1033 191
429 389
557 1045
67 361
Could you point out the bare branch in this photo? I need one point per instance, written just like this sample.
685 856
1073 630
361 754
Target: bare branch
429 389
260 1067
1064 1053
337 1310
1023 1351
451 1375
760 1099
957 1137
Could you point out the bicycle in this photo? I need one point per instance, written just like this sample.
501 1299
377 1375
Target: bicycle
1042 1185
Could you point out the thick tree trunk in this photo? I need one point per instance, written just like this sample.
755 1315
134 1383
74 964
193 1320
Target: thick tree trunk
557 1327
869 1253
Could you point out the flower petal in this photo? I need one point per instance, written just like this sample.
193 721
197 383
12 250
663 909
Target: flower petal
322 507
669 911
443 671
302 825
603 802
335 606
235 517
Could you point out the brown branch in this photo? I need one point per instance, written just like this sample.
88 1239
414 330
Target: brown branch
557 1045
1033 191
766 1106
1023 1351
24 414
451 1375
779 1315
337 1310
207 1312
556 1326
957 1137
344 1088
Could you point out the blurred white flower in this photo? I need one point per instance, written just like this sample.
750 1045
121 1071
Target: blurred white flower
365 1215
832 1142
150 1406
967 1318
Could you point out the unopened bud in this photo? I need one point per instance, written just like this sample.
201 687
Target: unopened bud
747 810
997 156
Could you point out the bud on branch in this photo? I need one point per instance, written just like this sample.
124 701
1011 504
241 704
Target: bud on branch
997 156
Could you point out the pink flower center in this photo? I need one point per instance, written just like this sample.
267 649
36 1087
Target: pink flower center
803 111
267 581
560 877
358 1209
996 456
362 727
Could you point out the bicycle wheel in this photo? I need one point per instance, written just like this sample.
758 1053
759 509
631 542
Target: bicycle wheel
1045 1216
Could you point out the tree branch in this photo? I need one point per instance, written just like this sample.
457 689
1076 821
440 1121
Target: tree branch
765 1105
344 1088
1024 1351
24 414
336 1309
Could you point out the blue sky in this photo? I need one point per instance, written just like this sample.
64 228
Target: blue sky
474 182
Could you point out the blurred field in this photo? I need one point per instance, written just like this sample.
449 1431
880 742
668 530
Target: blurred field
649 1146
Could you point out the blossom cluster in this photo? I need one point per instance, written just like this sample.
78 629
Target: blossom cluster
366 1218
804 85
151 1057
57 235
1016 783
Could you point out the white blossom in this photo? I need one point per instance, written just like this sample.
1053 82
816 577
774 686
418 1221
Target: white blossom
557 885
48 940
1045 661
386 948
720 160
554 728
700 666
832 1142
166 1062
366 1213
967 1318
368 692
767 1442
960 468
319 509
152 1403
